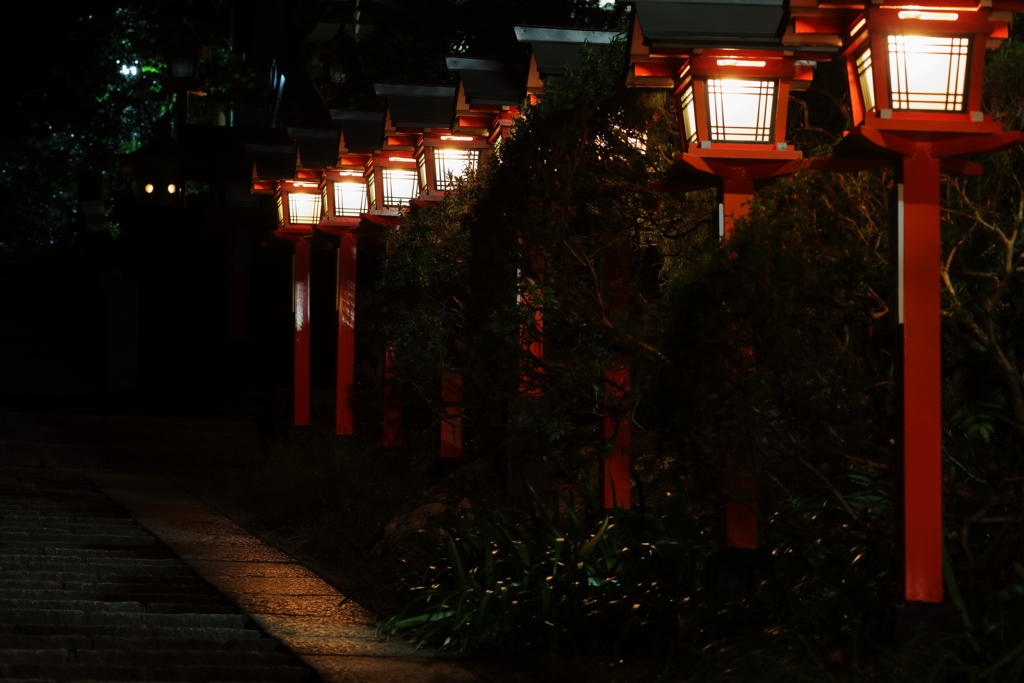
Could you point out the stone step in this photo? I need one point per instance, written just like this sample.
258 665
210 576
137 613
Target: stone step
25 641
87 595
141 598
78 605
180 644
140 657
188 674
168 620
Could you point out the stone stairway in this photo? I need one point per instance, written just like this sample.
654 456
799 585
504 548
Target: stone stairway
121 442
87 594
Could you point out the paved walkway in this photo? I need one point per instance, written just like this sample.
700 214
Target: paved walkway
175 592
334 637
89 591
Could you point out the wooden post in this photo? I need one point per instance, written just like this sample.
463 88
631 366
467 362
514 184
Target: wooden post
343 420
741 486
615 469
300 294
919 378
393 434
451 422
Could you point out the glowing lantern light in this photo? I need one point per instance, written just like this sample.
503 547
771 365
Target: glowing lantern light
441 159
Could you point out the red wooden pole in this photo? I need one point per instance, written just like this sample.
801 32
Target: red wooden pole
451 424
300 292
393 435
346 334
920 382
741 487
615 480
532 335
735 199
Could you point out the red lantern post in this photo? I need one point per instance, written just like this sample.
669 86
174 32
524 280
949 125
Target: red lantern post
733 93
553 51
915 75
345 199
297 195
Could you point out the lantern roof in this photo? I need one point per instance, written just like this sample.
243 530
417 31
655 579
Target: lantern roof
711 23
418 106
272 162
555 50
360 130
488 81
665 33
828 21
318 147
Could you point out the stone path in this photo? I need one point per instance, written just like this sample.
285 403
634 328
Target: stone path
291 603
88 594
110 576
109 572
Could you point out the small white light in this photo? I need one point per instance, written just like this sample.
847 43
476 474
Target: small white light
171 189
858 26
406 159
459 138
929 16
148 188
305 185
741 62
351 174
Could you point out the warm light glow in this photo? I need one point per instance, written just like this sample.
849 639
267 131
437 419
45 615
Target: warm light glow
304 208
351 174
406 159
400 185
458 138
148 188
928 72
931 8
689 115
304 185
858 26
865 79
741 110
450 164
171 189
929 16
349 198
741 62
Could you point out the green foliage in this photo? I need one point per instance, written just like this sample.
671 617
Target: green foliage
547 579
773 351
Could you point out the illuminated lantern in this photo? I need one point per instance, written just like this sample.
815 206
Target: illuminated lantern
915 76
916 63
732 110
344 196
392 181
299 205
443 158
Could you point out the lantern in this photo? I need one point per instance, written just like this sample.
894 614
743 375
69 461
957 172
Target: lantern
441 159
920 63
915 77
299 205
392 180
344 196
735 100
